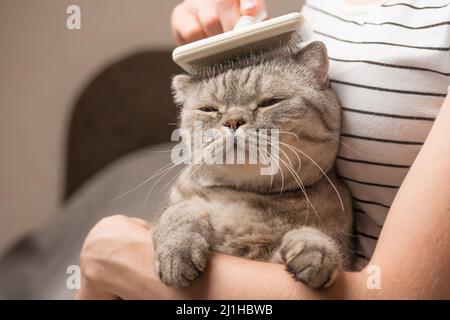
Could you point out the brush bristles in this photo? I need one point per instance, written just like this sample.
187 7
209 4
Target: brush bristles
284 48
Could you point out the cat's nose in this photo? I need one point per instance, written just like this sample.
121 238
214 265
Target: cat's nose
234 123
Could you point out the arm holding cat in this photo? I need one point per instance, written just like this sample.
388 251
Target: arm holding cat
412 252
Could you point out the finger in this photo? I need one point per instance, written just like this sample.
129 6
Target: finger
229 14
210 21
186 25
175 17
251 7
178 38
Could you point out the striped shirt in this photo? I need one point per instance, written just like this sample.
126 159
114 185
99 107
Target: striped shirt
390 67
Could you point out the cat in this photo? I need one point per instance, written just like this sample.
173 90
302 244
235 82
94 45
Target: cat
301 215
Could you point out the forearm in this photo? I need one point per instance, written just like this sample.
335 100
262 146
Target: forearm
117 262
229 277
233 278
413 249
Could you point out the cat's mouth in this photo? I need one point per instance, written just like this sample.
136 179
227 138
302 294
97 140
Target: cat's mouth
245 148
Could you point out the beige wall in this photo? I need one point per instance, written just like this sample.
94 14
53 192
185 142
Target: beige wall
43 67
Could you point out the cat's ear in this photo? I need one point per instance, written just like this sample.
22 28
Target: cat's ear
180 87
315 57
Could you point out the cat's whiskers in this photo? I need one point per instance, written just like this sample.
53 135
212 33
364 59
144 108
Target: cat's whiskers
208 144
172 181
171 167
302 188
323 172
295 176
255 145
198 168
288 167
299 182
291 133
331 136
296 154
153 176
271 176
293 149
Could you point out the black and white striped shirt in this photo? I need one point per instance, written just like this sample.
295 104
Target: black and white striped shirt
390 66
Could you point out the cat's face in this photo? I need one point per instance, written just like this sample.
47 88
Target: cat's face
288 94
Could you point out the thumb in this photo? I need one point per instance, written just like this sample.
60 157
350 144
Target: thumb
251 7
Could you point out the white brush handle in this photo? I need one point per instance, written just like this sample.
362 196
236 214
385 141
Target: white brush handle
246 21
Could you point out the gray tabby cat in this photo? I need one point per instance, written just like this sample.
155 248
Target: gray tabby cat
302 218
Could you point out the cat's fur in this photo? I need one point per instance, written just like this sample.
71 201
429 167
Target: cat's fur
236 210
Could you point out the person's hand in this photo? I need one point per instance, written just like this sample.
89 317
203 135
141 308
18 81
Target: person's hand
117 261
197 19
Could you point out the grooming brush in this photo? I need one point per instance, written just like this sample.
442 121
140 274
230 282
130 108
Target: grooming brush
250 37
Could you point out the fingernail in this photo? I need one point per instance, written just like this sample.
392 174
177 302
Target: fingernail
247 5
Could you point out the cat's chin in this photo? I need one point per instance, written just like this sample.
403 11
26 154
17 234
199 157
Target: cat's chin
246 176
251 178
237 171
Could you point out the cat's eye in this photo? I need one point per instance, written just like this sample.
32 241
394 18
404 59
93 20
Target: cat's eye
269 102
208 109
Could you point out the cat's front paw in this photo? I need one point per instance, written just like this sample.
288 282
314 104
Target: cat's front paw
180 260
311 257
